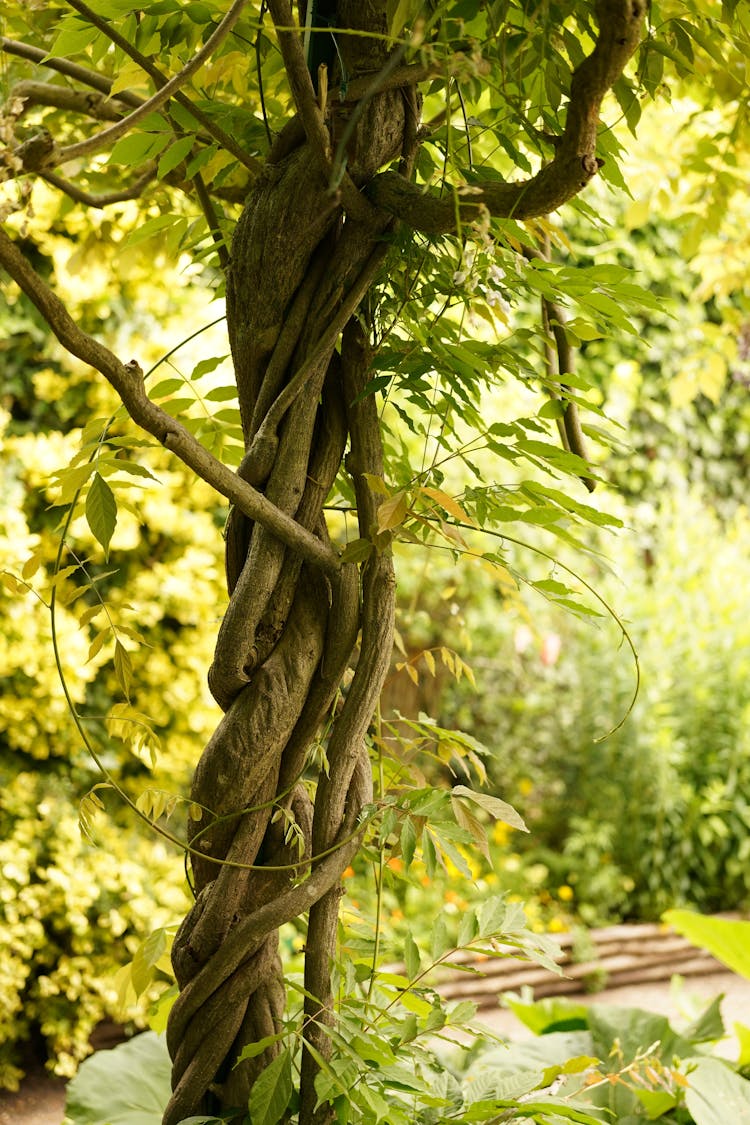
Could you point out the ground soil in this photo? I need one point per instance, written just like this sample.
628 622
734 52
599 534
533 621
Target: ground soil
41 1099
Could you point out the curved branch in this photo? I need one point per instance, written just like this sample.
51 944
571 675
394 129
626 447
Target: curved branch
249 931
554 321
266 432
225 140
80 195
108 136
127 381
310 114
62 97
575 161
300 81
63 66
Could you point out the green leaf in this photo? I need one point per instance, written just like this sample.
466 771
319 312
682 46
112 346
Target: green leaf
252 1050
467 930
152 227
207 365
429 855
408 841
272 1091
129 1085
123 667
553 408
555 1107
412 958
413 1003
441 942
101 511
147 956
655 1102
137 147
72 39
498 809
399 12
727 941
393 511
358 551
175 155
491 916
72 479
166 387
542 1015
221 394
709 1026
376 1107
716 1095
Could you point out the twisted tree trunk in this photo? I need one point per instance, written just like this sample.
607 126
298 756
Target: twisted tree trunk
298 271
306 250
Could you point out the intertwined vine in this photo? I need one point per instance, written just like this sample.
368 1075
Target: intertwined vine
290 632
273 838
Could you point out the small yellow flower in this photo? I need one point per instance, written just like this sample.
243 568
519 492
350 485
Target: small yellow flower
500 833
565 892
557 926
525 786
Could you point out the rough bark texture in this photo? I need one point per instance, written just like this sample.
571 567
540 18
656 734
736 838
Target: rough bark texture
306 249
297 273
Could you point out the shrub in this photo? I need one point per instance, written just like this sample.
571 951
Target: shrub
657 814
70 914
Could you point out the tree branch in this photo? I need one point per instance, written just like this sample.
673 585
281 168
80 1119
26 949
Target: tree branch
63 66
409 74
309 111
62 97
127 381
225 140
575 161
105 198
107 136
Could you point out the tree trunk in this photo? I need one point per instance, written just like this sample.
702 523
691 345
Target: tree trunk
298 271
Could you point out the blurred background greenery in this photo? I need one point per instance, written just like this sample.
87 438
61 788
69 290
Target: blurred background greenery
654 816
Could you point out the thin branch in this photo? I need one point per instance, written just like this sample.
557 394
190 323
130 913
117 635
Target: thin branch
267 430
127 380
575 162
80 195
212 218
309 111
63 66
62 97
300 81
213 130
107 136
554 323
376 86
407 75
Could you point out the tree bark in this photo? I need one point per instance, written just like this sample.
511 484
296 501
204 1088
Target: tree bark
297 274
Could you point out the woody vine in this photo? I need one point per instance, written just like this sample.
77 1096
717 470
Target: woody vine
324 210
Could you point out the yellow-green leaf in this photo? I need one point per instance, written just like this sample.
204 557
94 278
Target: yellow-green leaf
393 511
101 511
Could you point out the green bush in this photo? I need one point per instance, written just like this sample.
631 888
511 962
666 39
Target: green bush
70 914
656 814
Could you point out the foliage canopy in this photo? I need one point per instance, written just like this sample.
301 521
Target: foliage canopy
366 186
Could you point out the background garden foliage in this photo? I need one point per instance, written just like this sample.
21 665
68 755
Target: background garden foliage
654 816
